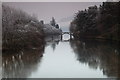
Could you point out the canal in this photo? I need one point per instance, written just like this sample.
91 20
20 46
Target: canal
65 59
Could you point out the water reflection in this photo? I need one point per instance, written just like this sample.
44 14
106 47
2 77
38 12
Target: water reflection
98 54
53 41
21 64
64 59
59 61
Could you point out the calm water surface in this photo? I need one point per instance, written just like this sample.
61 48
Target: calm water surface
65 59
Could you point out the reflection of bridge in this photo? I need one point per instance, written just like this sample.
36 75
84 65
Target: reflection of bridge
71 34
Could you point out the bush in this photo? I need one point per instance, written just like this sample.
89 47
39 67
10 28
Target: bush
20 30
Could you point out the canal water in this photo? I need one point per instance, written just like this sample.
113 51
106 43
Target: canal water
65 59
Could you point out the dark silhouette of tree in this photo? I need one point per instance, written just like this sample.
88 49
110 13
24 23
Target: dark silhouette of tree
42 21
57 26
98 22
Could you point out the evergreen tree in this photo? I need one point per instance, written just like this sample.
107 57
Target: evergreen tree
53 23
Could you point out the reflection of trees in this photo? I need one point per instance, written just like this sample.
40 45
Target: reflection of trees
21 65
98 54
53 41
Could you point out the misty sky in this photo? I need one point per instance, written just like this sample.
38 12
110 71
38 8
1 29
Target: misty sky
63 12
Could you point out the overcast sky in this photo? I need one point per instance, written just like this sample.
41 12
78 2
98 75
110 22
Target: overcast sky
63 12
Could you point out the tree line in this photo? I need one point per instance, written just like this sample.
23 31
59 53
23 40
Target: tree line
20 30
98 22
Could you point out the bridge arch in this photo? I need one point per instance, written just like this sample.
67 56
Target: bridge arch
69 33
